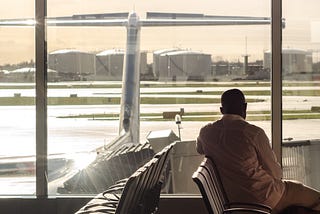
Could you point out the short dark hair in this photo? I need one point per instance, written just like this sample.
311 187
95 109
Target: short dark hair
232 101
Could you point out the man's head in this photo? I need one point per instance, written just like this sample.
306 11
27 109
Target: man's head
233 102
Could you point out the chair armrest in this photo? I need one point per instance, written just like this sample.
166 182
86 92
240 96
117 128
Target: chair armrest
124 180
249 205
106 210
115 188
244 209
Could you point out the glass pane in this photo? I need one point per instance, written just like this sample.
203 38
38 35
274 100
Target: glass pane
17 98
301 103
183 70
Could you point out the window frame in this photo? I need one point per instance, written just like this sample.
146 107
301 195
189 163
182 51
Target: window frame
41 100
276 77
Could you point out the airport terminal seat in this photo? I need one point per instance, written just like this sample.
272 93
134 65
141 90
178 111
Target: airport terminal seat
209 183
138 194
107 168
216 201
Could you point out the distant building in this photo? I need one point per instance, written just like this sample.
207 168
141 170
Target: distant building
294 61
156 59
109 64
26 74
182 65
3 74
221 68
72 64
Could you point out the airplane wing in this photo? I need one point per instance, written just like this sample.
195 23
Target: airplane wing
196 19
64 22
200 22
87 23
103 19
17 22
151 20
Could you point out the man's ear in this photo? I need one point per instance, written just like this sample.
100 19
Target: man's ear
221 110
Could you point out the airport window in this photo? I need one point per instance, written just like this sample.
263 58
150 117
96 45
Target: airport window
93 96
300 95
17 101
183 70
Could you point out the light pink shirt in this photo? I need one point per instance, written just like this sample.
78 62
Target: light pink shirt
244 158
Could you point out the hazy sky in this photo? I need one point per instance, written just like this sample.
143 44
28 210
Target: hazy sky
17 44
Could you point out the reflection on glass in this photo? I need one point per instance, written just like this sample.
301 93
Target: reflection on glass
301 103
17 102
183 70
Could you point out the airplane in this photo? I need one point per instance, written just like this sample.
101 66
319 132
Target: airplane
129 127
130 101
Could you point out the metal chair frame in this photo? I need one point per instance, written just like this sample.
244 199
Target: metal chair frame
215 198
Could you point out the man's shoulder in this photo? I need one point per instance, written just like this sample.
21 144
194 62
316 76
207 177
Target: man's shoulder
213 124
254 129
210 126
252 126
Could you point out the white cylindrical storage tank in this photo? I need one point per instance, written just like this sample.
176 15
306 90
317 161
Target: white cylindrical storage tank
143 62
109 64
184 65
72 63
294 61
156 60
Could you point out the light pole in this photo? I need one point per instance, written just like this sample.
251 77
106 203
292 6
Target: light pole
178 122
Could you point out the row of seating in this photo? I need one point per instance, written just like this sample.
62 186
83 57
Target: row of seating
107 168
138 194
215 198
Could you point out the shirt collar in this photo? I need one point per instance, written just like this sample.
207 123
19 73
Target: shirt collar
232 117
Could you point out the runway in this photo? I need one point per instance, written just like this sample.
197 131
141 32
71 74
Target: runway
17 127
72 136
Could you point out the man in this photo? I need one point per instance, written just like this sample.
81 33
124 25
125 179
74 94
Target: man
245 160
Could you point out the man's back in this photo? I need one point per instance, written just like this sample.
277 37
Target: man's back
242 153
247 165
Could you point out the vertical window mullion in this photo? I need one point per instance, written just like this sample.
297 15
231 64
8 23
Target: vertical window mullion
276 80
41 100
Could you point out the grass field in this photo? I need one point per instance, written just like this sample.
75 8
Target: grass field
206 116
188 116
157 85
